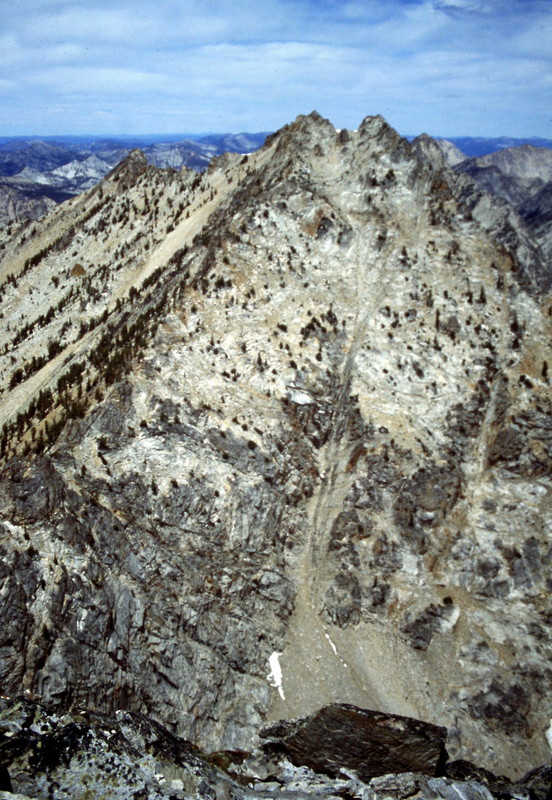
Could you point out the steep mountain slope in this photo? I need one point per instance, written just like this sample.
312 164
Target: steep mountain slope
537 213
35 173
497 216
525 162
523 177
452 154
516 174
519 175
293 412
28 202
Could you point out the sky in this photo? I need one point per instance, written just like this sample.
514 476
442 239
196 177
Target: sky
445 67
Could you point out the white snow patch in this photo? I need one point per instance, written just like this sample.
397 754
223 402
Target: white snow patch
548 734
332 645
274 677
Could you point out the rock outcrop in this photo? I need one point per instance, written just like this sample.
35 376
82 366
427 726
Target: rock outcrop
86 754
292 417
371 744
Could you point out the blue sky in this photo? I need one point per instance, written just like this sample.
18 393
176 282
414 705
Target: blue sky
447 67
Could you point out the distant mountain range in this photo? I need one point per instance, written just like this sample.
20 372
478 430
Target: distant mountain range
480 146
48 154
36 174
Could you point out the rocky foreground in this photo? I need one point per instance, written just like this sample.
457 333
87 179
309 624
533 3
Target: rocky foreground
340 752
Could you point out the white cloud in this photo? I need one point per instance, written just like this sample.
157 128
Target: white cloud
228 63
102 80
463 5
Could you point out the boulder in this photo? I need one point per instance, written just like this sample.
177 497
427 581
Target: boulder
369 743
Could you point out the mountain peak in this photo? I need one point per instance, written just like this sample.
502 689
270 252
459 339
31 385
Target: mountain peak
427 149
129 169
381 136
285 414
313 117
303 129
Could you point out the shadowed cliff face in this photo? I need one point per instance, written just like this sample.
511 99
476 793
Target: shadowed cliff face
298 406
522 177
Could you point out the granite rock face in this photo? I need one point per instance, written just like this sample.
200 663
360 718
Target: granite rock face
514 173
279 436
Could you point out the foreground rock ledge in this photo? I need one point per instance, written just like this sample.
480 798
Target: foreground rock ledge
369 742
85 755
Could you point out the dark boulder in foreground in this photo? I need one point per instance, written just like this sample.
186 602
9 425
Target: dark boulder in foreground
85 755
369 743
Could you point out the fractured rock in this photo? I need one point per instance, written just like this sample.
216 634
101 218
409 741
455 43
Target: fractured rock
299 404
370 743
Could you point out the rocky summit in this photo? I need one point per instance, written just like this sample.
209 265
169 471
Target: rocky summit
279 436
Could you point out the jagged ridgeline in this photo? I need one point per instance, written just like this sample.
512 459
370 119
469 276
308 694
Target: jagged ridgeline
294 410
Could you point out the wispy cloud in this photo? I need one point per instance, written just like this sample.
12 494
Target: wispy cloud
446 66
470 6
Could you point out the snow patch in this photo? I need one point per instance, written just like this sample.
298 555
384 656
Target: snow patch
548 734
274 677
332 645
